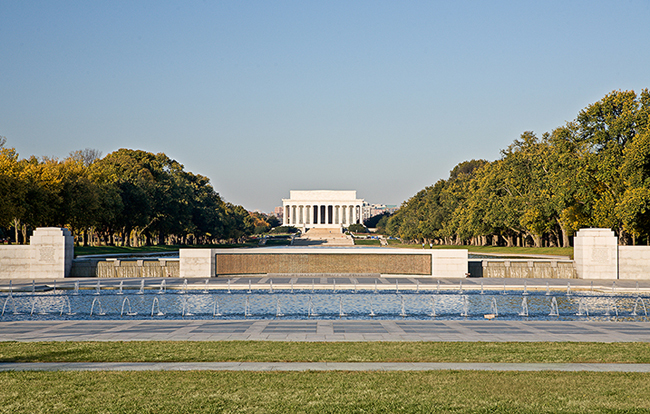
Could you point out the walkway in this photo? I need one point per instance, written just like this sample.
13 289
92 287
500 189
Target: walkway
315 366
324 330
324 237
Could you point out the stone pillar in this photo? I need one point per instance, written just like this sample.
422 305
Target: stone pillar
595 253
285 217
53 251
197 262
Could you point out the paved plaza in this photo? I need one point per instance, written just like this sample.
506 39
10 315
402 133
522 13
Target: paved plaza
324 330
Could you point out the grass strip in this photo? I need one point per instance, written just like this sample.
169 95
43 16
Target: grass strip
518 251
89 250
323 392
263 351
366 242
522 251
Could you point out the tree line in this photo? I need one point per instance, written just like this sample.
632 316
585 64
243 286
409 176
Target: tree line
128 198
593 171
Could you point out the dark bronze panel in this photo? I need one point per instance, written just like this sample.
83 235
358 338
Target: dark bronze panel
404 264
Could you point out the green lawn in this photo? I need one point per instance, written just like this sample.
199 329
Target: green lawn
240 351
323 392
86 250
520 251
366 242
278 242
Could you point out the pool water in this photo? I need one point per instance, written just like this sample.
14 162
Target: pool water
322 304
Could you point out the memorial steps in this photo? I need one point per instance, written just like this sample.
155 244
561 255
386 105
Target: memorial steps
329 237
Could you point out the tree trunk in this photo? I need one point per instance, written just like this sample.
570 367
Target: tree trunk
565 236
16 224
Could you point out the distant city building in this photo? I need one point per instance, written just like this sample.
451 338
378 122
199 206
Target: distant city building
278 212
371 210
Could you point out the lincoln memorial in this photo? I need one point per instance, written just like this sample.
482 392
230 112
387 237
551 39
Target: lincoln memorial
321 209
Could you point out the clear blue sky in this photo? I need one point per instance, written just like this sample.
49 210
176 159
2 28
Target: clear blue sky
263 97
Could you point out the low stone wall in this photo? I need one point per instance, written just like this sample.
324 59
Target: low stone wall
522 268
598 256
634 262
125 268
15 262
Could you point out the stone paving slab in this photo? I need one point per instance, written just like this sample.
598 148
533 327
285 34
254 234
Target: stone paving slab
319 366
315 330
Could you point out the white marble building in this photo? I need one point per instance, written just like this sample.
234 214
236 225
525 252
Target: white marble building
321 209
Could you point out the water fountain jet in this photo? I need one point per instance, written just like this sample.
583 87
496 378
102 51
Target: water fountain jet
63 303
129 312
465 311
341 313
153 307
494 308
99 303
636 304
524 307
554 309
215 308
582 308
403 310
